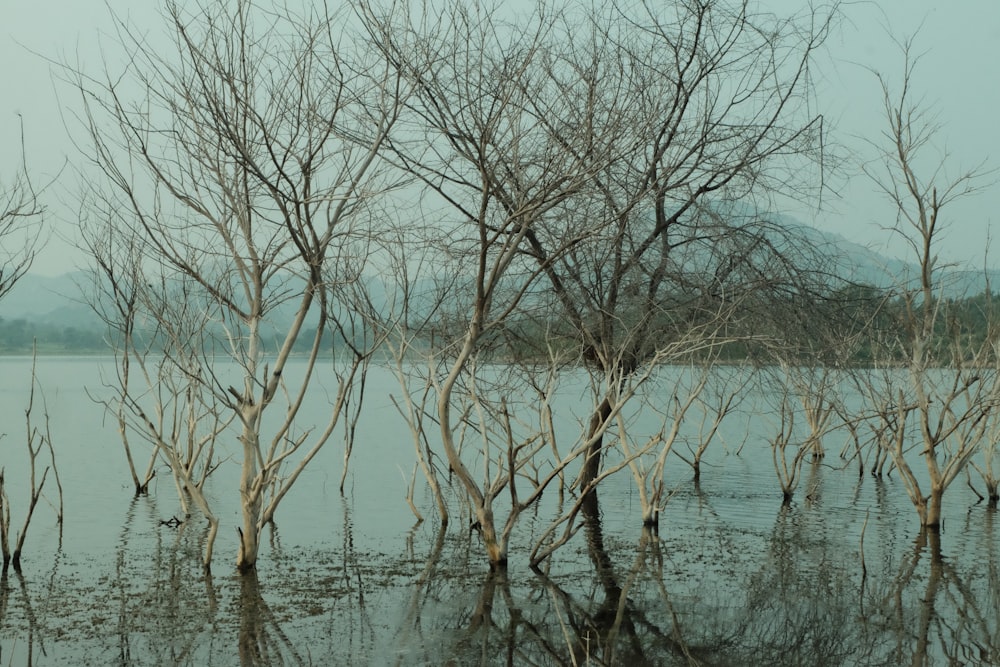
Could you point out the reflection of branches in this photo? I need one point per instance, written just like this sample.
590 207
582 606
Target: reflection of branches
354 586
796 613
627 634
412 616
160 613
552 537
261 639
124 626
946 618
509 630
618 630
34 626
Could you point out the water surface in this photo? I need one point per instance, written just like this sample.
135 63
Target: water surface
732 577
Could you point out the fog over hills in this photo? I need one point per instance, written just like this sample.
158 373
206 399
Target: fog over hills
49 300
860 264
60 300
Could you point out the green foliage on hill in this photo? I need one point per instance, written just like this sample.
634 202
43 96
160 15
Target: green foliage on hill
19 336
861 322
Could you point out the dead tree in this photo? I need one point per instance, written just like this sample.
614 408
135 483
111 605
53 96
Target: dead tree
951 387
703 106
21 213
115 294
476 143
38 441
242 156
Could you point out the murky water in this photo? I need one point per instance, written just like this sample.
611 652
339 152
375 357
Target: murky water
732 577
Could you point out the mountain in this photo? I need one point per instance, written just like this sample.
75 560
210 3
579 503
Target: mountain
57 303
49 300
861 264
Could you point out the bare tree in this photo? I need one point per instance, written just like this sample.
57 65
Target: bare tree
115 295
815 388
38 441
20 223
243 157
987 468
159 332
722 397
951 388
787 452
985 312
409 340
614 157
476 142
703 106
20 238
677 400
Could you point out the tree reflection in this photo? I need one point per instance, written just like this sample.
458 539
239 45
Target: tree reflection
615 616
261 639
933 612
410 632
792 593
162 603
800 603
34 635
612 622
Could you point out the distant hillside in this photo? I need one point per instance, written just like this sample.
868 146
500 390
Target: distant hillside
52 309
861 264
50 300
50 312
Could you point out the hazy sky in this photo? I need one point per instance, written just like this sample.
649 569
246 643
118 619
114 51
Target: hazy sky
958 78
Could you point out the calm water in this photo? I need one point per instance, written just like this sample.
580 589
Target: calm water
732 578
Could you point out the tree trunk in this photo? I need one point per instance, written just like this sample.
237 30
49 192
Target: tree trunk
929 539
931 513
603 565
251 501
496 546
592 465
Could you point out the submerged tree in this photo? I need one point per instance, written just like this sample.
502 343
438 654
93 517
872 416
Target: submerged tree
719 400
691 404
116 296
38 441
242 156
473 137
608 168
951 387
703 106
20 238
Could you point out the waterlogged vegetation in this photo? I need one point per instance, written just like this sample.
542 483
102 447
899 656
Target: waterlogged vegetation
444 336
841 574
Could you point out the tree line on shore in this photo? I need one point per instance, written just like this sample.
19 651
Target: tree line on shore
969 317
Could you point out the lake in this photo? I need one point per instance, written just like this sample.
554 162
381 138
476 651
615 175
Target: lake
733 577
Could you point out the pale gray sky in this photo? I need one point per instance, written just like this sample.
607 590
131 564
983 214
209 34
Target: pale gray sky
958 76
